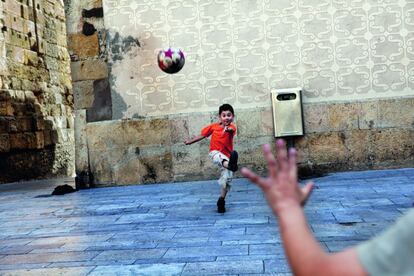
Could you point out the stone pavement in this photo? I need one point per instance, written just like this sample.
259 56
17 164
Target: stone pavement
174 229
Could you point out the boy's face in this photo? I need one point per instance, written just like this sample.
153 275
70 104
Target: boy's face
226 117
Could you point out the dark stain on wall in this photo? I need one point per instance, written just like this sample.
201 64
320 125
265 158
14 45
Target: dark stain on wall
119 46
117 101
119 49
95 12
88 29
101 108
151 176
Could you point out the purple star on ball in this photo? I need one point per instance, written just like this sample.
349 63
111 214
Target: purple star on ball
169 53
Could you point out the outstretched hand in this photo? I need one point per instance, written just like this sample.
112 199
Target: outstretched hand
281 187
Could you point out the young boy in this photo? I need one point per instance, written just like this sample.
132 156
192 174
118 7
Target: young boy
221 149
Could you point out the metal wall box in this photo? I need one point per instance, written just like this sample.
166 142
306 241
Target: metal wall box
287 112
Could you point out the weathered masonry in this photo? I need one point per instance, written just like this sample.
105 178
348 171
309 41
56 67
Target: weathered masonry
36 100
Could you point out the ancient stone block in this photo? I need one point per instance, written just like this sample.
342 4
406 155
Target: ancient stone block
38 141
342 116
70 121
24 124
178 129
47 135
4 124
17 54
251 151
327 147
21 140
17 24
38 123
101 167
157 168
4 142
248 123
89 70
62 39
392 144
131 171
396 113
81 149
51 50
29 85
24 12
315 118
60 122
147 132
106 135
6 109
12 7
16 83
29 96
186 160
143 165
83 46
358 145
19 96
6 95
301 146
266 118
368 116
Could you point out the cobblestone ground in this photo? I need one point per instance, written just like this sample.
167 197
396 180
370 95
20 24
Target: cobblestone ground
174 229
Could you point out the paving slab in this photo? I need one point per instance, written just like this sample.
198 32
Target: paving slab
174 228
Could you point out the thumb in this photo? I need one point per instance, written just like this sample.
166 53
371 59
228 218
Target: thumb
306 192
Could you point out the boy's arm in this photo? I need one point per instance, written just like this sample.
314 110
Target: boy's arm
194 139
231 129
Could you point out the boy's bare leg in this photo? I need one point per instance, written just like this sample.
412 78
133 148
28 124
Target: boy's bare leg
225 164
223 192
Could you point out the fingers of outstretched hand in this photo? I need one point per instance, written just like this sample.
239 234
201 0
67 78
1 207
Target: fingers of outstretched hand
306 192
281 155
259 181
271 161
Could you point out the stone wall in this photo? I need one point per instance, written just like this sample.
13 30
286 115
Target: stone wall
87 48
36 118
353 58
343 136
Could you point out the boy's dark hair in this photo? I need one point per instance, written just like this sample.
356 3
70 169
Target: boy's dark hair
226 107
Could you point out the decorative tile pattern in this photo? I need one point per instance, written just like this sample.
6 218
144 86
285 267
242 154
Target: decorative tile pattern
237 51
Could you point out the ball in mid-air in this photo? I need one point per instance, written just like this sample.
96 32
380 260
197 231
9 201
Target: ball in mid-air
171 60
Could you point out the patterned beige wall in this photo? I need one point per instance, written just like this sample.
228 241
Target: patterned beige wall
238 50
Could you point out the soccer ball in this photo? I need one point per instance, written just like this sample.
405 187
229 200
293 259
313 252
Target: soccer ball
171 60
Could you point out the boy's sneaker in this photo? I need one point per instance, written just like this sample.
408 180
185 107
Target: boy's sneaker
221 203
232 166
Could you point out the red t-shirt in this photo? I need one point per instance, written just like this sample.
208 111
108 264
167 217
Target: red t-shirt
220 140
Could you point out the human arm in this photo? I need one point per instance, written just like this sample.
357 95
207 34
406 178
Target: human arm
286 198
230 129
194 139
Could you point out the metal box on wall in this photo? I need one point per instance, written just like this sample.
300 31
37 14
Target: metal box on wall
287 112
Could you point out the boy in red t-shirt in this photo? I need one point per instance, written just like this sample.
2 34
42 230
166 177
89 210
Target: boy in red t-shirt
221 149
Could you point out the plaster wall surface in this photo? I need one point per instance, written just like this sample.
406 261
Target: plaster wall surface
237 51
